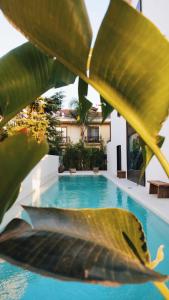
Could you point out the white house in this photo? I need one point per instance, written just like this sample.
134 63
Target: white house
123 145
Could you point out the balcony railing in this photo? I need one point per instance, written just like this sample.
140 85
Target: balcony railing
88 139
65 140
92 139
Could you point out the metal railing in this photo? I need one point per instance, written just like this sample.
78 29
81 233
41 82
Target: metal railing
88 139
92 139
65 140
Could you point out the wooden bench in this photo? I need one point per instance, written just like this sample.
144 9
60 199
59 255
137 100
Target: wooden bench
160 188
121 174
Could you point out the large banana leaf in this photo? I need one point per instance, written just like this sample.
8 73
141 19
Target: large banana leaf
51 25
129 62
18 155
26 73
132 71
76 254
99 225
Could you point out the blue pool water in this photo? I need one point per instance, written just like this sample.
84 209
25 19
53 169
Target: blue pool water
82 192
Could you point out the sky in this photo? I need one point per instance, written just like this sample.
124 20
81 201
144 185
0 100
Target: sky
156 10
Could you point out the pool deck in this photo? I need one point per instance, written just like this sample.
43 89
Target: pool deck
160 206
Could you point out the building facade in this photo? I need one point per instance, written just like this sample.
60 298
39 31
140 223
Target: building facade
123 151
96 133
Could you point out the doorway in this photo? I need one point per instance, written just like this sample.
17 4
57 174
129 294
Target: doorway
119 158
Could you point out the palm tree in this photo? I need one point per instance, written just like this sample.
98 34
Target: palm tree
83 113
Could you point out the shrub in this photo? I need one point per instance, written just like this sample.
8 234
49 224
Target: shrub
82 158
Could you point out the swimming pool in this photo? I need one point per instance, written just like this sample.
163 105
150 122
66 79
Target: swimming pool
82 192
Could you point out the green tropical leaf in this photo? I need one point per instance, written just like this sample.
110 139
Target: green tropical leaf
82 88
99 225
80 255
126 67
84 106
107 109
84 103
18 155
26 73
93 224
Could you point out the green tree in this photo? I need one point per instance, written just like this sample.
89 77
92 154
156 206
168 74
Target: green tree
40 118
52 108
31 118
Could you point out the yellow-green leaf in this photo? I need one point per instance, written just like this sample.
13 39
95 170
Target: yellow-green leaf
18 155
73 256
130 68
113 228
26 73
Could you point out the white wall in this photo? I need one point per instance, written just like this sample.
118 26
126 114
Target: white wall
154 170
104 132
118 137
74 132
157 11
41 174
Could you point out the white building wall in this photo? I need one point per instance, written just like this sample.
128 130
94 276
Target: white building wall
42 175
154 170
118 137
157 11
43 172
74 133
104 132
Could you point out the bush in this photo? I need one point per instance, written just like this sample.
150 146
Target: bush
82 158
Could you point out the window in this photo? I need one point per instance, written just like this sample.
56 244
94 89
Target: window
118 158
93 134
62 131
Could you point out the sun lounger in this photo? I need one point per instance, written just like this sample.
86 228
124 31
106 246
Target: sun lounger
121 174
96 170
160 188
72 170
